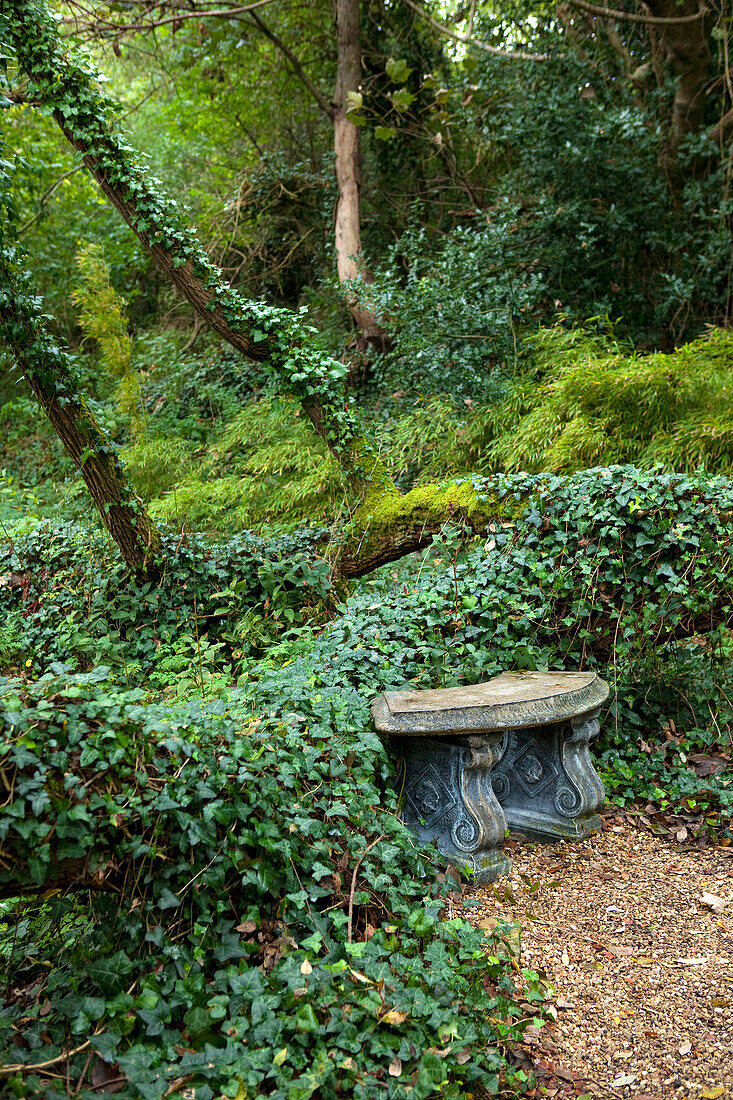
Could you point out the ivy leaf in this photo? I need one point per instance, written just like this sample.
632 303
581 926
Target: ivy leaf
167 899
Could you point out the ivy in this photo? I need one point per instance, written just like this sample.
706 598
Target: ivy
249 938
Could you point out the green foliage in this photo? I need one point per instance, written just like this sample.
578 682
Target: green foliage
69 87
232 952
588 400
454 332
229 944
79 605
102 317
265 465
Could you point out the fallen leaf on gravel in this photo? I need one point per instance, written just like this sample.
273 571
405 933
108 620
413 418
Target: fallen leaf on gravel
620 952
713 902
395 1067
624 1079
566 1074
681 834
562 1003
643 961
711 1094
694 962
685 1048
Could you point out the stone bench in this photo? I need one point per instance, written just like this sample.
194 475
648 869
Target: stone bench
512 752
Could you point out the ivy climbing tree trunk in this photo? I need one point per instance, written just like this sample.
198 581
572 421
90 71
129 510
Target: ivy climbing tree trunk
51 377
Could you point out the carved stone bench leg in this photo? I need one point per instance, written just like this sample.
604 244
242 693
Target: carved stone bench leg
447 798
546 782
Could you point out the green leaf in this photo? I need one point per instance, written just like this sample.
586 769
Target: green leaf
306 1019
397 70
401 99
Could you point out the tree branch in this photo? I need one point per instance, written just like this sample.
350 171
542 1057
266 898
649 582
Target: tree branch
100 23
47 194
327 108
721 129
510 55
630 17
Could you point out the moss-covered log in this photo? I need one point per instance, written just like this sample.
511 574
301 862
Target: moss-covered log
388 524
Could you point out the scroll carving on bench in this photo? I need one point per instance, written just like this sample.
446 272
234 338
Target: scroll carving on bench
509 753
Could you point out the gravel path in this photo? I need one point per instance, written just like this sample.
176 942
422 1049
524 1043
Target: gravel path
642 964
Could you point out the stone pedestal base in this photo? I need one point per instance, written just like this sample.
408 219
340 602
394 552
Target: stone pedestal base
513 750
546 782
447 799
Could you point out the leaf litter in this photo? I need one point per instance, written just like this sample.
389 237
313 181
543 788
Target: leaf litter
635 934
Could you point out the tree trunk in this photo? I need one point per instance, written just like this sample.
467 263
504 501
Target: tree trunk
50 376
347 147
687 49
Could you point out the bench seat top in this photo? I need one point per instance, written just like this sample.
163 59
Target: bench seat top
513 700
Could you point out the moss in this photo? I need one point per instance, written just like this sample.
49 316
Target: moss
387 517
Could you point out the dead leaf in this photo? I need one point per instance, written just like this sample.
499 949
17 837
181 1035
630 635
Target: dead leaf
712 1094
643 961
623 1079
712 901
394 1017
694 962
564 1004
247 926
462 1057
305 967
681 834
685 1048
395 1067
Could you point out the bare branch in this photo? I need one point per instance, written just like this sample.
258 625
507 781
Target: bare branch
510 55
323 103
221 13
47 194
721 130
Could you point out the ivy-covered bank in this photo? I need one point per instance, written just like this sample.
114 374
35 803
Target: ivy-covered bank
217 893
257 922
